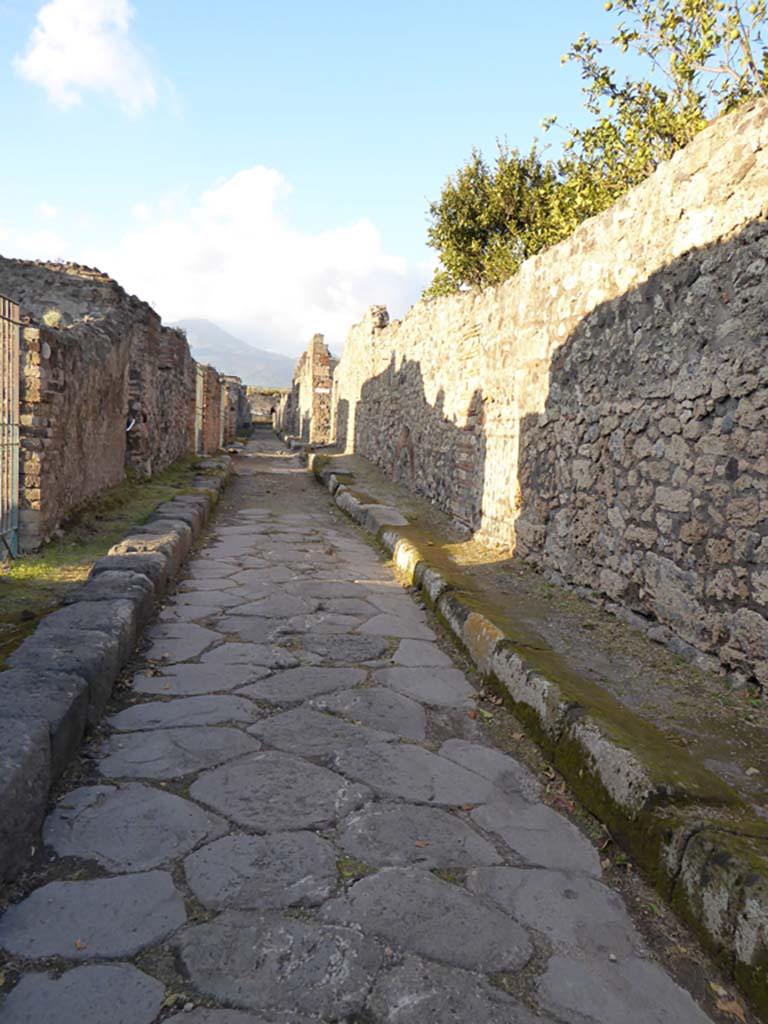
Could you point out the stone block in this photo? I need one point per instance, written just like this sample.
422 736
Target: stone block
117 619
93 655
25 778
166 544
175 531
59 700
189 515
134 587
153 564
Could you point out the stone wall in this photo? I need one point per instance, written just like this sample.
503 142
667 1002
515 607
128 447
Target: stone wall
161 395
605 412
306 412
264 402
208 409
103 385
72 402
160 399
231 407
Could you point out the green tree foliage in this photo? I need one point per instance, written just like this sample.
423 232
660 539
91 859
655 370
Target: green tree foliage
488 220
703 58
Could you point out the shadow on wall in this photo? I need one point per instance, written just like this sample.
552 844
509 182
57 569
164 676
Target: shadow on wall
646 477
632 460
417 444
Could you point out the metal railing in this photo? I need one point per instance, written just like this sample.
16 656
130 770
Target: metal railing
9 428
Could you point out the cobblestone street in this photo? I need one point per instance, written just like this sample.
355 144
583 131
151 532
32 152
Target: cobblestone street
296 820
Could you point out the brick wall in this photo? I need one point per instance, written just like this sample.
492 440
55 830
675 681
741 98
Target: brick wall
161 393
73 440
107 364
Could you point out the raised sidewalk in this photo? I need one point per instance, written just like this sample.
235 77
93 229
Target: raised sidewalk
61 677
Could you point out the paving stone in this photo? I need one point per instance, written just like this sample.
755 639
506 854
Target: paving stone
270 963
419 653
504 771
218 599
348 606
279 574
131 828
409 772
251 628
187 613
188 680
270 656
250 592
443 687
299 684
574 910
402 834
106 917
276 792
202 1015
279 606
263 872
171 753
540 835
632 991
391 625
417 992
253 579
179 641
202 586
309 733
345 650
184 712
206 570
117 993
327 589
230 548
279 551
419 913
252 562
379 708
324 622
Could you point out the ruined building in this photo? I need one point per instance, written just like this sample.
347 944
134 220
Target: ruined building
101 385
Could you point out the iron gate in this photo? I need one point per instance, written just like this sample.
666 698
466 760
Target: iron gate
9 428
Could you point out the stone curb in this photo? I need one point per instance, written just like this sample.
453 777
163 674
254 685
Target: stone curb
61 677
700 844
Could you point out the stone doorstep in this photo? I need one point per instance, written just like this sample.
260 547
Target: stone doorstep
702 846
61 677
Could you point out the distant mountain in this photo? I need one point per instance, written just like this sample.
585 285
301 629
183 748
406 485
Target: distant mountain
212 344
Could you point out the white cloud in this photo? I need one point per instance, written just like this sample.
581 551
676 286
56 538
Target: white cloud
84 45
229 257
46 211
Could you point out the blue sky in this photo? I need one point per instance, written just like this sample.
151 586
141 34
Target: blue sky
266 166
